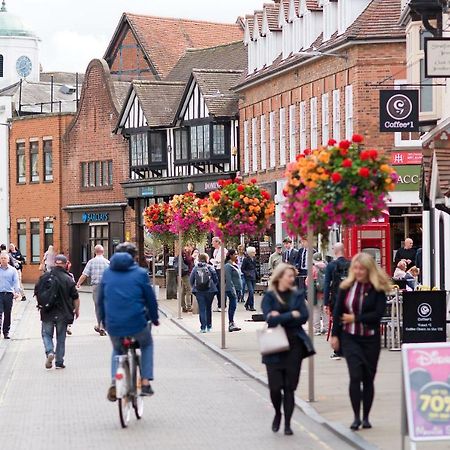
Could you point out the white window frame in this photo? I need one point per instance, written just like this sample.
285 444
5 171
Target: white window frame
282 136
348 112
325 119
303 127
254 145
337 115
263 159
246 149
292 143
313 110
273 141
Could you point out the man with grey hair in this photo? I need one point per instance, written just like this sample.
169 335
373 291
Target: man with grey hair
9 289
94 270
217 264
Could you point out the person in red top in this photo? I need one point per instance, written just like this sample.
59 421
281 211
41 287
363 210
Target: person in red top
360 305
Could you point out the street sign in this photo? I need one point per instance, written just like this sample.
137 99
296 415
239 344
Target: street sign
437 57
399 110
426 376
424 316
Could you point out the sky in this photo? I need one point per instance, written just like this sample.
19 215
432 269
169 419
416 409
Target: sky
74 32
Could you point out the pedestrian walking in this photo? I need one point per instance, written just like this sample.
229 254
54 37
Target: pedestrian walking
233 284
19 261
407 252
284 305
186 269
276 257
360 305
126 303
48 260
249 270
216 261
204 284
59 303
335 273
301 263
321 317
94 270
290 253
240 258
9 290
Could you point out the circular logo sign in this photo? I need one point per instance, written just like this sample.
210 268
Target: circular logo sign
424 310
399 107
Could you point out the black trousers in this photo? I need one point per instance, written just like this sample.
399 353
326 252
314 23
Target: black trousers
6 303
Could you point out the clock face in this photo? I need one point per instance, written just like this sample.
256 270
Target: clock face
24 66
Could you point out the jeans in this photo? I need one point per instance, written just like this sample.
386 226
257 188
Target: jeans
48 328
6 303
232 306
145 340
250 303
242 293
205 300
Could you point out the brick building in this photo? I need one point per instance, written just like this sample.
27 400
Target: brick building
35 186
315 72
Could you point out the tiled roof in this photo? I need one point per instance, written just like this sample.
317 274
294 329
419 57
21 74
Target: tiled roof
159 101
313 5
272 15
61 77
120 91
165 40
215 86
225 57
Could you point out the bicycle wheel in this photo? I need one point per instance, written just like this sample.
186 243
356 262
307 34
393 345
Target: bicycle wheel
138 401
125 406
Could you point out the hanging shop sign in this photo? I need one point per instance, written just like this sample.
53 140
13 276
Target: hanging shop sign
406 158
408 178
399 110
437 57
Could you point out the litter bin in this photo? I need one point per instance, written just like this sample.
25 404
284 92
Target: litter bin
171 284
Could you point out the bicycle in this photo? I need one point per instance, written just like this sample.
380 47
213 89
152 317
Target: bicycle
128 383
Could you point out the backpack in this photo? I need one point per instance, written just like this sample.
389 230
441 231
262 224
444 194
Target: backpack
47 292
202 278
339 275
320 281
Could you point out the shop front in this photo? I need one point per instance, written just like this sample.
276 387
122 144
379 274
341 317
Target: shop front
91 225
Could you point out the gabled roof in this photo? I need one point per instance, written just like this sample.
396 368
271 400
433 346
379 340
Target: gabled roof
164 40
271 11
120 91
225 57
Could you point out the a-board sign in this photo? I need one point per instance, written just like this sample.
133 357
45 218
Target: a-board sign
426 375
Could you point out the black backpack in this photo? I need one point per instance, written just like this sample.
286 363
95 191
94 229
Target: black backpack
339 275
202 278
47 292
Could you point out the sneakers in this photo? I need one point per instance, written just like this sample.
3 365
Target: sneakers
69 331
335 356
202 330
60 366
146 391
208 329
111 395
100 331
49 360
232 327
218 310
24 299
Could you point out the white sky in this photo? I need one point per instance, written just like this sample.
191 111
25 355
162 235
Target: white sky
74 32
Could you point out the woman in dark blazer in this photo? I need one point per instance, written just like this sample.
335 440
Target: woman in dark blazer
360 305
249 271
283 305
233 285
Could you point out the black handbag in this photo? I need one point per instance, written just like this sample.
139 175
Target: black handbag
308 346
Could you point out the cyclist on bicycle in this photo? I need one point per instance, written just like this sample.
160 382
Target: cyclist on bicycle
127 303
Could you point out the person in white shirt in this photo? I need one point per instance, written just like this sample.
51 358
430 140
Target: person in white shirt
217 264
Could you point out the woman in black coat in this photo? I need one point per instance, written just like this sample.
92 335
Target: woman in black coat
249 270
283 305
360 305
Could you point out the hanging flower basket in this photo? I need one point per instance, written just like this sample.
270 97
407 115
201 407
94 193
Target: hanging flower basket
239 208
158 221
341 184
187 218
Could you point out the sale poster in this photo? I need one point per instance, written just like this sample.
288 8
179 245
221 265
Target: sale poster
426 371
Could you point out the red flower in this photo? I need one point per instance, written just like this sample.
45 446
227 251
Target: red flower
347 163
364 172
373 154
299 157
221 183
336 177
365 155
344 144
237 204
216 196
227 182
357 138
285 193
343 151
307 152
331 142
265 194
241 188
253 181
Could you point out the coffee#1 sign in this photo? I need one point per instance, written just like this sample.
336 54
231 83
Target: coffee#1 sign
426 372
399 110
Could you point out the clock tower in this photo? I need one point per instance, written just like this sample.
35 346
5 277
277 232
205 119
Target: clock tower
19 50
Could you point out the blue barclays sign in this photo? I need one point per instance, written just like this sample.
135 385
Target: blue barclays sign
94 217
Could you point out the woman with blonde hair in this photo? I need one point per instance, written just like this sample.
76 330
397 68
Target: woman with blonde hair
360 305
283 305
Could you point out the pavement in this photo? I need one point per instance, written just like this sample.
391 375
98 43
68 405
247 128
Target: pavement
202 401
332 405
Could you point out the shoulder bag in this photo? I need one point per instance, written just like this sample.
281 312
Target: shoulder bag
272 340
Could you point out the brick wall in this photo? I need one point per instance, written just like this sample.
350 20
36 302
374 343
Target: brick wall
37 200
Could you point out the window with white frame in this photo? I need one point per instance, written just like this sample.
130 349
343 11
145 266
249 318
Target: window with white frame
348 111
313 107
263 143
337 115
273 140
246 149
325 119
254 145
282 137
292 143
303 127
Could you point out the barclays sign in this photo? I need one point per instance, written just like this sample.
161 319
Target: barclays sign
94 217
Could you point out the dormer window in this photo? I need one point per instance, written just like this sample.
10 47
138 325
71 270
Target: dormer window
330 19
349 11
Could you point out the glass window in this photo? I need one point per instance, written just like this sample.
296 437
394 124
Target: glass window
98 173
21 167
35 242
48 161
157 147
110 173
139 149
219 139
22 238
426 90
181 144
48 234
194 149
91 169
99 235
34 161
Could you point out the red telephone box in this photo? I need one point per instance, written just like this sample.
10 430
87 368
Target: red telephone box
373 238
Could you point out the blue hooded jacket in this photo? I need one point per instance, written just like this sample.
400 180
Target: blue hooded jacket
126 300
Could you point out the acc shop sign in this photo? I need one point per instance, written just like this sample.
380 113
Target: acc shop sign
408 177
399 110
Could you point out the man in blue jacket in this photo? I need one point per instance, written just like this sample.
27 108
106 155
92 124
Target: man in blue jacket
126 304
